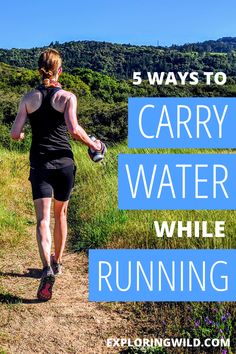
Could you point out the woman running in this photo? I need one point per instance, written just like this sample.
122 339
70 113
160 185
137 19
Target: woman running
51 112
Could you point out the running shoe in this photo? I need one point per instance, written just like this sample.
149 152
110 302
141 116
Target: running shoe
56 266
46 283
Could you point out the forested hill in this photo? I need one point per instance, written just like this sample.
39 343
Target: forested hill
120 60
221 45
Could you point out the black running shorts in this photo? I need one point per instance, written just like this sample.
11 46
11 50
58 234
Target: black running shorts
52 182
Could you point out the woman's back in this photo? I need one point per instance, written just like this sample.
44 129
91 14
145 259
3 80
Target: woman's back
51 111
50 146
58 100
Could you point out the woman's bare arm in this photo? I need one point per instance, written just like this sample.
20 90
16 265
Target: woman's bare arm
73 126
18 125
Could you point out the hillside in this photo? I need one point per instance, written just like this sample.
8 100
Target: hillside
102 108
73 323
121 60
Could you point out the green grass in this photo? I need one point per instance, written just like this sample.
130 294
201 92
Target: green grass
2 351
15 200
95 220
214 320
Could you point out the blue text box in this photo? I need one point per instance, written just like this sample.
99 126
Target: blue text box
185 122
177 181
162 275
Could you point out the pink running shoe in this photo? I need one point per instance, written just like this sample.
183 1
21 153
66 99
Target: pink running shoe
46 283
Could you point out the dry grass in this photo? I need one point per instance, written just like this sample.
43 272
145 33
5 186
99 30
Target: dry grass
16 207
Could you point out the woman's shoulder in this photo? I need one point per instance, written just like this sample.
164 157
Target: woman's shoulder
63 95
32 96
66 94
37 94
33 99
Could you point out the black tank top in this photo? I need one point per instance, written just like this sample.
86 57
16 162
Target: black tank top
50 147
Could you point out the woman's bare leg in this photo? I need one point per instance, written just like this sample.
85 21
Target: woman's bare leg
60 228
42 209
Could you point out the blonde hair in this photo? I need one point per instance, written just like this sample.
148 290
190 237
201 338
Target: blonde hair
48 64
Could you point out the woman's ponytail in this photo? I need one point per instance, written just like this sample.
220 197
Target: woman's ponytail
48 64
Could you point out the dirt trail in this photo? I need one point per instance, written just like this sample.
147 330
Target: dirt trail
66 324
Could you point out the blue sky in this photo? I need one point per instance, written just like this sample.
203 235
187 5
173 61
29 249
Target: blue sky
30 23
